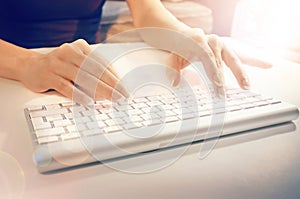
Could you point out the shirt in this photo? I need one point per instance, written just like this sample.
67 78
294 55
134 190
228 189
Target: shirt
47 23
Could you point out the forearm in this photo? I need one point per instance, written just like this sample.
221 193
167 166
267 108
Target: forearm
152 13
13 60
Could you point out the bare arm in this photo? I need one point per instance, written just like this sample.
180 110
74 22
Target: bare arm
13 60
211 49
59 70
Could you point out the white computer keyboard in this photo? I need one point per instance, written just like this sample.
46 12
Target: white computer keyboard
67 121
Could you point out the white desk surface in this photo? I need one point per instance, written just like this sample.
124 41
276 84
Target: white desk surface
262 168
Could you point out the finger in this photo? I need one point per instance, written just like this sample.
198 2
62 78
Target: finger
75 53
69 53
87 82
67 89
177 67
104 62
86 49
100 71
83 46
95 87
235 65
216 46
212 70
180 63
66 70
173 70
175 63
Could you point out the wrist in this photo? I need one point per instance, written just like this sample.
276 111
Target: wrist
197 34
24 61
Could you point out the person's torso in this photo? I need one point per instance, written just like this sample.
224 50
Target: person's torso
37 23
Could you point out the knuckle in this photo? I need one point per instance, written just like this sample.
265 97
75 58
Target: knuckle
82 45
209 53
234 60
213 37
199 39
63 50
65 46
214 42
82 41
61 85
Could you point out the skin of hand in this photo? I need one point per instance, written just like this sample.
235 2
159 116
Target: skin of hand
211 50
214 56
62 70
223 55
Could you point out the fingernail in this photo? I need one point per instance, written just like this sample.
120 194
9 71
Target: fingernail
246 84
176 81
219 62
218 80
172 76
220 92
116 96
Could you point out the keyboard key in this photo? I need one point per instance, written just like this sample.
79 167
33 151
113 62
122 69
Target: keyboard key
54 117
233 108
139 106
68 104
76 128
188 116
111 129
171 119
133 118
218 110
46 140
247 106
101 117
204 113
167 107
47 113
151 122
62 123
132 125
53 107
116 114
105 110
113 122
49 132
122 108
96 125
70 136
35 108
154 103
140 100
148 117
39 123
93 132
135 112
81 120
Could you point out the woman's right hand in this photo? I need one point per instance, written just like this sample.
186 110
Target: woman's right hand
61 70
